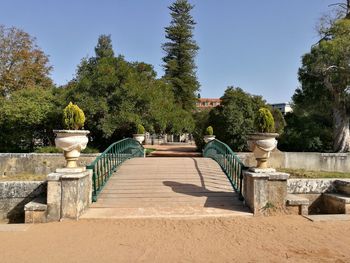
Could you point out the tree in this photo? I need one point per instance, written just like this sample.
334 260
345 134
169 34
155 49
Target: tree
104 47
310 132
180 68
22 63
27 118
117 95
325 77
201 119
234 118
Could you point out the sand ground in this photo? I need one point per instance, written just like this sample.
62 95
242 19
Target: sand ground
235 239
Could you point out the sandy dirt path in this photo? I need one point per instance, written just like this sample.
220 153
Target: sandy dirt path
238 239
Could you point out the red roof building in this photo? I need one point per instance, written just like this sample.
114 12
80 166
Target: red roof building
206 103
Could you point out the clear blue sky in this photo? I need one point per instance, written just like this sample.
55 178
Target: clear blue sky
254 44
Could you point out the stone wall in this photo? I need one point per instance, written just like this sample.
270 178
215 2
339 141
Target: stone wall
36 163
312 189
14 195
339 162
43 163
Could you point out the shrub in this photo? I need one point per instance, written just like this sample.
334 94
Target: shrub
209 131
90 150
48 149
73 117
264 121
140 129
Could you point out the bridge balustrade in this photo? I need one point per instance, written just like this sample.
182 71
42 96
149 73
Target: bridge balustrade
107 163
229 162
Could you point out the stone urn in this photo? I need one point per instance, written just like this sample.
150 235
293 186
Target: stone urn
261 144
72 142
139 137
208 138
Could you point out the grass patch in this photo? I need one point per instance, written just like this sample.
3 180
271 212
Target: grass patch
48 149
149 150
301 173
53 149
23 177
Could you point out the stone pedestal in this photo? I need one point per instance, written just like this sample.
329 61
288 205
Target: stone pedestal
68 194
264 189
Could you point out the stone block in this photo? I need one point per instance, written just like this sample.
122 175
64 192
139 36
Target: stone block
54 193
76 194
35 217
263 190
310 186
36 211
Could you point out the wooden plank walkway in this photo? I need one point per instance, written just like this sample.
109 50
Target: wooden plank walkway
167 187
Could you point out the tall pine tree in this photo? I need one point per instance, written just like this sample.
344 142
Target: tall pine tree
180 68
104 47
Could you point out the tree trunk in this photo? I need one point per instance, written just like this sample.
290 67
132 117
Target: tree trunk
341 130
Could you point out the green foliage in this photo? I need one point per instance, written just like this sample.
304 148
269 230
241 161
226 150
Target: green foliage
115 94
48 149
22 63
307 133
234 118
323 99
201 119
104 47
301 173
27 118
89 150
280 122
150 150
180 68
140 129
73 117
264 121
209 130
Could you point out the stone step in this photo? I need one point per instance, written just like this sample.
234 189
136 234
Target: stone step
338 197
186 212
319 218
35 211
342 186
301 204
293 199
336 203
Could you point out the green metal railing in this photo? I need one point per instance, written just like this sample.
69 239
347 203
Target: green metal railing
229 162
107 163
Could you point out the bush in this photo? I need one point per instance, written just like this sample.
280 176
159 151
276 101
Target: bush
73 117
140 129
90 150
209 131
48 149
264 121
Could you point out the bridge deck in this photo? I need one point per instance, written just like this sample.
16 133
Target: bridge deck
167 187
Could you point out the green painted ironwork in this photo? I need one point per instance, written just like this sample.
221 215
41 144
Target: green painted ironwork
107 163
229 162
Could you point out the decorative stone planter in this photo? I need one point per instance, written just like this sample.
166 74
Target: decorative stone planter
208 138
139 137
261 144
72 142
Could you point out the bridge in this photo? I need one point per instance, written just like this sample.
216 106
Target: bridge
127 185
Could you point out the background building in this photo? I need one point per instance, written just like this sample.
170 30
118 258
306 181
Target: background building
283 107
206 103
